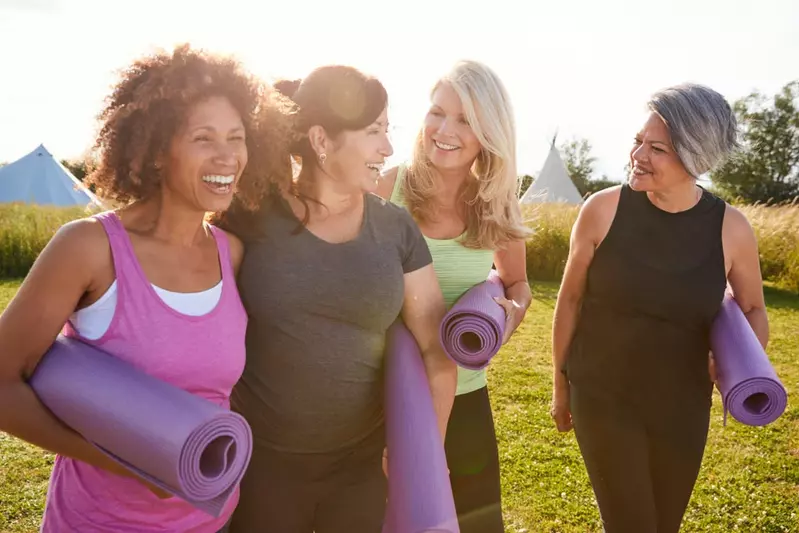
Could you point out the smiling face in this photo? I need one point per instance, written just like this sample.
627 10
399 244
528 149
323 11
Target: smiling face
207 156
359 156
656 167
448 140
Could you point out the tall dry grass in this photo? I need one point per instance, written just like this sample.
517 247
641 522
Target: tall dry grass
25 230
777 231
776 228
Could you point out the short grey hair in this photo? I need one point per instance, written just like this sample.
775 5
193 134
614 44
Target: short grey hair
702 125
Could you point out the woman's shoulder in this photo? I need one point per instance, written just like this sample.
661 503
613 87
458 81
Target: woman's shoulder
83 235
385 209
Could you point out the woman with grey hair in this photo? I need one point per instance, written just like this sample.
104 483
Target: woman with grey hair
648 267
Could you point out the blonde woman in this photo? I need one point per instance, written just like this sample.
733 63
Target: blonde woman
460 186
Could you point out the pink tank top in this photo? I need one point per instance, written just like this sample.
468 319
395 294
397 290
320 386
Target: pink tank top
201 354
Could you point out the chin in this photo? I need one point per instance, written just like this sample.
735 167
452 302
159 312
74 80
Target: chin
445 160
217 205
640 183
370 185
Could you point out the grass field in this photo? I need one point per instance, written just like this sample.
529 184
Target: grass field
749 480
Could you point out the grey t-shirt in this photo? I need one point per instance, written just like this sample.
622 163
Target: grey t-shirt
319 313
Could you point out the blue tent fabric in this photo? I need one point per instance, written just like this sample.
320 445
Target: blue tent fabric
39 178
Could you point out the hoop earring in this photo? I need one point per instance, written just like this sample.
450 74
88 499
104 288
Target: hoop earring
322 159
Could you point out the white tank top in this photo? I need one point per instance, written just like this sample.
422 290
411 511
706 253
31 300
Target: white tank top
93 321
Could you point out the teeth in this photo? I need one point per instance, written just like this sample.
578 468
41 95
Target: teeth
222 180
448 147
375 166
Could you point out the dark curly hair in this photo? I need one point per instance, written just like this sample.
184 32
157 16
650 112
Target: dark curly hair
151 102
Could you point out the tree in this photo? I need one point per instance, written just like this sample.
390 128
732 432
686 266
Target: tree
766 168
78 167
580 165
524 184
579 162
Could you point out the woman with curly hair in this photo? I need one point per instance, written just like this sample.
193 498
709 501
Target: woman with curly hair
461 188
151 282
328 270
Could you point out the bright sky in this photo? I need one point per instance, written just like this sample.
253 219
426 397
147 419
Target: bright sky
582 68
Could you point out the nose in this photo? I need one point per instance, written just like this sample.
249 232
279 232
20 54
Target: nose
444 127
640 153
386 149
226 155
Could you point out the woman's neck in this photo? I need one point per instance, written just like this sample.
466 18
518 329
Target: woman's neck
678 198
449 186
166 219
335 198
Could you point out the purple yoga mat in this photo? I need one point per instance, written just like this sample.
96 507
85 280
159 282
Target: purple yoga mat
471 332
749 386
419 491
182 443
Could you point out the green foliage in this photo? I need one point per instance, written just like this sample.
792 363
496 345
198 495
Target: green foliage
579 163
524 184
78 168
766 169
25 230
548 246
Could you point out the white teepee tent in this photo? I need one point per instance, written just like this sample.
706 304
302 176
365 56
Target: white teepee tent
553 183
39 178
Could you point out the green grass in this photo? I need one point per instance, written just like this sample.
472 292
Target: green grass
749 480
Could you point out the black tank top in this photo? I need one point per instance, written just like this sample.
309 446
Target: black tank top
654 286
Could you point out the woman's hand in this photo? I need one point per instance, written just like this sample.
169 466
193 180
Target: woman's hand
560 410
514 314
511 265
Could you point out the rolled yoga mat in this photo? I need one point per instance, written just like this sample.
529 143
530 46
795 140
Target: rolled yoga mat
182 443
472 330
419 491
750 389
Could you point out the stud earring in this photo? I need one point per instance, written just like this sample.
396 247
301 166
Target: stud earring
322 159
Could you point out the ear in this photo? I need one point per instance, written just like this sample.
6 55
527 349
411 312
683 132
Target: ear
319 140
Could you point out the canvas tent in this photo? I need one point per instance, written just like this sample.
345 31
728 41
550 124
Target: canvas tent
553 183
39 178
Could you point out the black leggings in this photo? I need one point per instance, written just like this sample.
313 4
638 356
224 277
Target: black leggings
473 461
642 459
343 492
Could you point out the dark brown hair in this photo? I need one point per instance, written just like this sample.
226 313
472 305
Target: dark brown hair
336 97
152 101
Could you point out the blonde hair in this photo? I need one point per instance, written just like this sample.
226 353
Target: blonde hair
491 196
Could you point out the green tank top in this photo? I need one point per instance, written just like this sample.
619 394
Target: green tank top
458 269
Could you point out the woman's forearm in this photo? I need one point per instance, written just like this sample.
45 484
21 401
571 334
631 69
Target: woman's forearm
564 324
758 320
32 422
442 376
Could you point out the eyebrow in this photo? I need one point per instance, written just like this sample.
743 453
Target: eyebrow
211 128
653 142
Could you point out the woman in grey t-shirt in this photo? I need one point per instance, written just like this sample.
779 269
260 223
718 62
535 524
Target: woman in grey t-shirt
329 266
